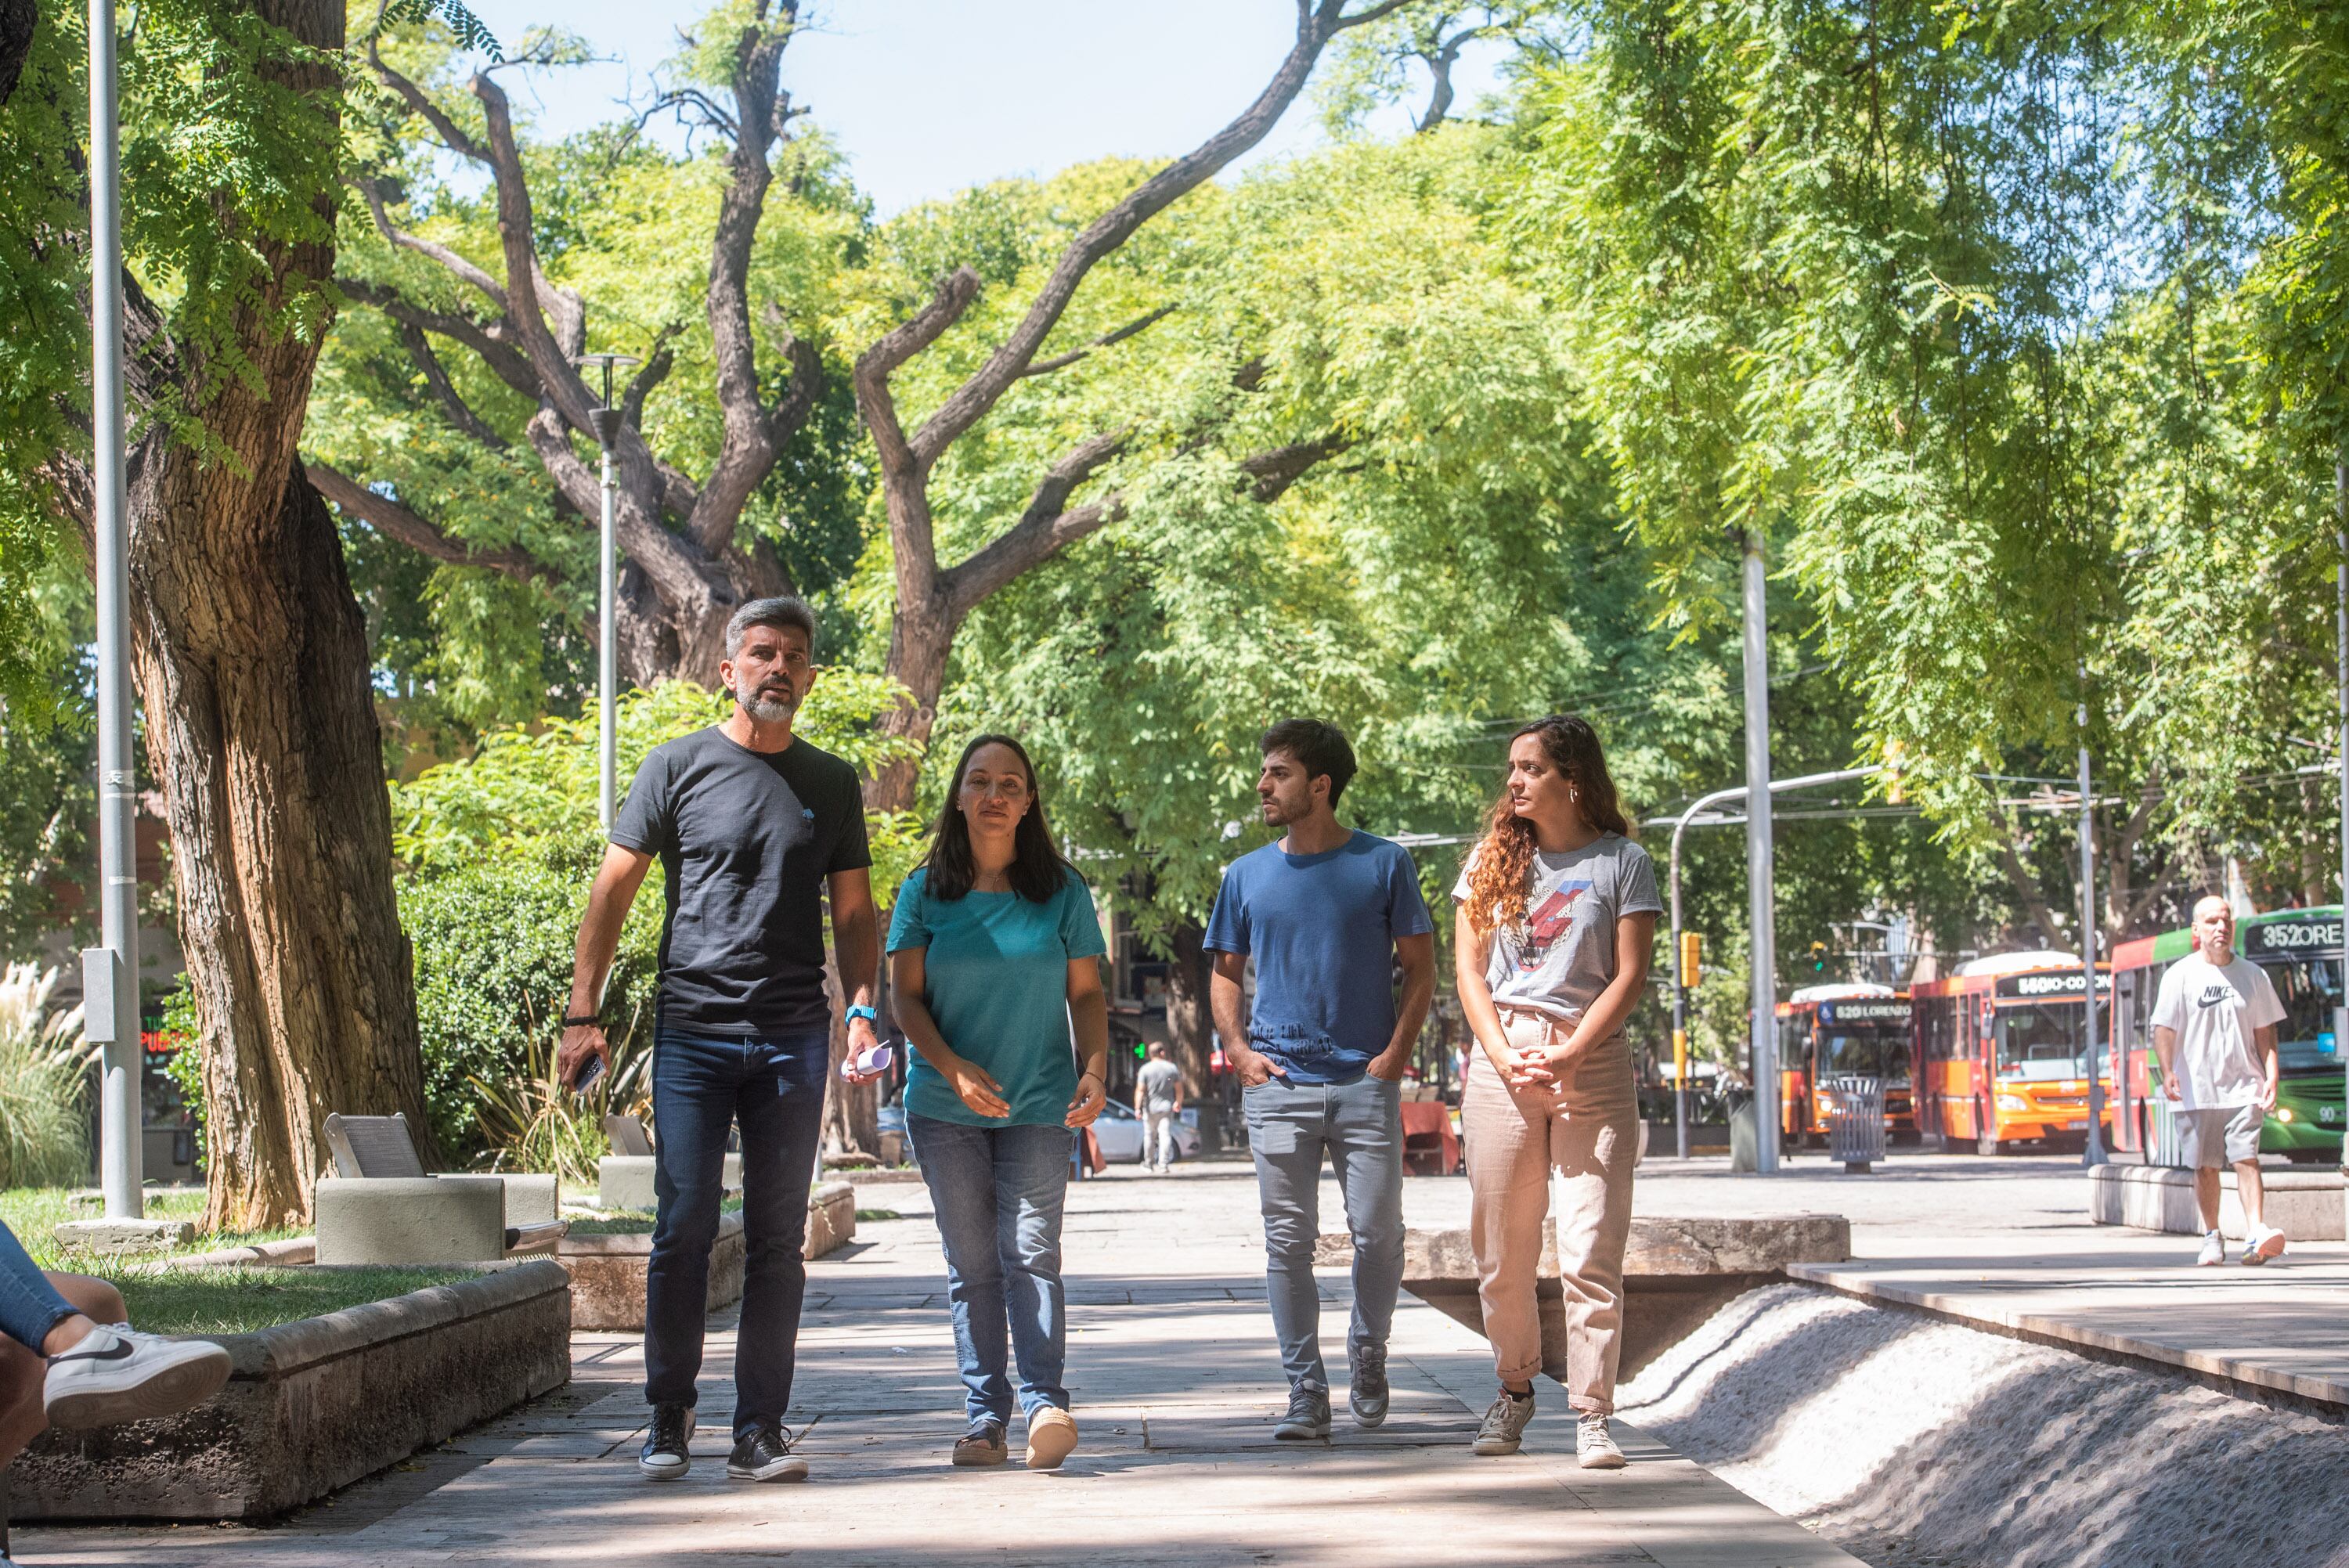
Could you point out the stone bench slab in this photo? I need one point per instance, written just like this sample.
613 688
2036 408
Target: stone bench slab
2307 1205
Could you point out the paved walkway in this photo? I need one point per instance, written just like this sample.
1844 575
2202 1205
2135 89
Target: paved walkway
1178 1382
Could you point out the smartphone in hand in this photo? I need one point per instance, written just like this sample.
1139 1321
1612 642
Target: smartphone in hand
587 1076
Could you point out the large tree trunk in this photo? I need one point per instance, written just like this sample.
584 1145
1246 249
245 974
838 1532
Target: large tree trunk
251 661
254 672
920 638
1190 1028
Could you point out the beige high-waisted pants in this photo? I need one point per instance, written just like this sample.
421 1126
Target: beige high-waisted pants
1589 1134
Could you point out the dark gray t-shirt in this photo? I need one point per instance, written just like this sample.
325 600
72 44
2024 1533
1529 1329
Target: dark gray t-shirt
746 839
1562 954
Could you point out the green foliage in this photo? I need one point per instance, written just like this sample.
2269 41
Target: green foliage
43 1084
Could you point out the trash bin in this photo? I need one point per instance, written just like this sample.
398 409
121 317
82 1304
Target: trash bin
1745 1144
1855 1121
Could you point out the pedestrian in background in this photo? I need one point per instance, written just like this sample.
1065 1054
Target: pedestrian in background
1327 913
2214 1028
995 952
1158 1098
754 830
1558 910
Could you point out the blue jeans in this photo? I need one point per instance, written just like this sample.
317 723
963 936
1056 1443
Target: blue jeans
30 1305
1360 1124
997 1192
702 1084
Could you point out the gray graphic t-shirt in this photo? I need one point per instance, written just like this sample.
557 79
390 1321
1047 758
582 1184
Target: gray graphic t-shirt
1155 1083
1562 954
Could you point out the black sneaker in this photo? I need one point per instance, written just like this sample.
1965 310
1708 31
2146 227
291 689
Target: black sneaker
764 1453
664 1455
1368 1393
1308 1417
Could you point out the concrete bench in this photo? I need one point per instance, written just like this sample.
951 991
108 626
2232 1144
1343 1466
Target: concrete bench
2305 1203
624 1178
382 1207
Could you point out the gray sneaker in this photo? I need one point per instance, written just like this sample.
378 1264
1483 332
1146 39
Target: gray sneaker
1594 1446
1504 1424
1308 1417
1367 1392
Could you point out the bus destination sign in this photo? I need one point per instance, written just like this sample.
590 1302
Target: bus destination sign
2278 941
1878 1010
2048 985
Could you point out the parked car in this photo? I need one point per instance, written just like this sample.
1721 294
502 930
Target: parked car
1118 1131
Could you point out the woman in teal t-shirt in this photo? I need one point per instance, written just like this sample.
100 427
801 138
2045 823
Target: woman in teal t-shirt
994 952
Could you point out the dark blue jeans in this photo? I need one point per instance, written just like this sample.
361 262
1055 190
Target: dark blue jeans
30 1305
702 1084
997 1192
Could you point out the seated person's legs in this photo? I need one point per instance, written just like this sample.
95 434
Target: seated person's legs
24 1372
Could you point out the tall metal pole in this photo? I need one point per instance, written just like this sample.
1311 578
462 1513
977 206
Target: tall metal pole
110 972
2092 1045
1680 1009
1680 824
1763 916
607 743
2341 696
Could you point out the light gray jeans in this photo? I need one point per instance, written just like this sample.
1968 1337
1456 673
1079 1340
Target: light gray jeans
1360 1125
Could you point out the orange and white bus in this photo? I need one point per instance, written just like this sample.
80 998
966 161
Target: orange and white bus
1825 1031
2001 1058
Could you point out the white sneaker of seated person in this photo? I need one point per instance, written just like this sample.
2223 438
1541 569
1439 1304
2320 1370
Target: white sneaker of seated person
2265 1242
115 1374
2213 1253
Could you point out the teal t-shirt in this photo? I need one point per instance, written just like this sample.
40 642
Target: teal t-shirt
996 978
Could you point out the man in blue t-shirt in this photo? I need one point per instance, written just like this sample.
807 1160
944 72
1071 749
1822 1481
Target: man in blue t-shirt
1327 913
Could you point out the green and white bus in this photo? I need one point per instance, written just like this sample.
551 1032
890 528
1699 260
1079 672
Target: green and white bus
2301 951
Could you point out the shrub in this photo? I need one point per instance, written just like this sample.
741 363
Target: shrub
493 947
43 1085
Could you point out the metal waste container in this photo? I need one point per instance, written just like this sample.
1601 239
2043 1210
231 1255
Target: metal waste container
1855 1121
1744 1141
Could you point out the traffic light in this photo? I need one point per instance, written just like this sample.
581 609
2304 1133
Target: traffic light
1691 958
1818 957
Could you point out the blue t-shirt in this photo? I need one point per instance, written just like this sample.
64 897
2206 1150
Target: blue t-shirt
1323 930
995 979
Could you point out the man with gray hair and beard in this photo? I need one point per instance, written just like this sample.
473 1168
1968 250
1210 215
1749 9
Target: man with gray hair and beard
752 827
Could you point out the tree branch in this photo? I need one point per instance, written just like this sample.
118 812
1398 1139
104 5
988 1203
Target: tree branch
1063 361
452 136
1045 528
419 350
1275 470
491 342
548 323
397 523
458 266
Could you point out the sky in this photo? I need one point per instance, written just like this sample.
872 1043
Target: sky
928 97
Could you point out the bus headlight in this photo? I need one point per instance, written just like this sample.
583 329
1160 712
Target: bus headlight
2013 1102
2283 1113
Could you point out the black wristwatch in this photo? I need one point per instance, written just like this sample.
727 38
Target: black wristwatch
589 1022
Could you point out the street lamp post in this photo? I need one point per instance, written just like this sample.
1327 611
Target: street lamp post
2094 1154
606 420
1762 919
1680 824
111 971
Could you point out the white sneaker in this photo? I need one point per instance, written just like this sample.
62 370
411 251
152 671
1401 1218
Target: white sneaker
2214 1252
1594 1446
117 1374
2265 1242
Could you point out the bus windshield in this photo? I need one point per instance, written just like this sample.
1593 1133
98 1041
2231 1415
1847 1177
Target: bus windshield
2041 1041
2311 989
1874 1053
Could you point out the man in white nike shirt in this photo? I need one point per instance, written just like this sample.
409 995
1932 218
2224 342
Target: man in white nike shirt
2214 1027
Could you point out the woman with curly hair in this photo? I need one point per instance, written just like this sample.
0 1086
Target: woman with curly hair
1557 911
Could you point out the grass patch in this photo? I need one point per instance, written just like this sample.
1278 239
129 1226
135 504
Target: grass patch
877 1214
240 1300
34 1213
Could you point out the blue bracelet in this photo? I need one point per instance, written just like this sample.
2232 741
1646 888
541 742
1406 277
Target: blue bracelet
862 1011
